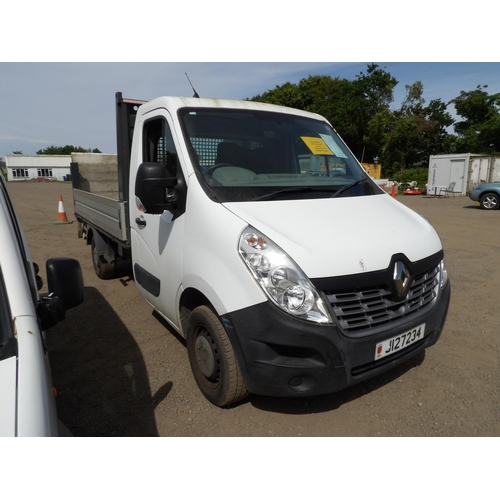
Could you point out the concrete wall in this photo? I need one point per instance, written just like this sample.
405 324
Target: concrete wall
98 173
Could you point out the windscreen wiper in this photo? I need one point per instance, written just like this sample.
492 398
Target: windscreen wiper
306 189
348 186
297 189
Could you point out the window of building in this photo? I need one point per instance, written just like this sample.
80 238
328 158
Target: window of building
44 172
20 173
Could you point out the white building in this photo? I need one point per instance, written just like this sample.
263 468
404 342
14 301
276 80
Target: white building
39 167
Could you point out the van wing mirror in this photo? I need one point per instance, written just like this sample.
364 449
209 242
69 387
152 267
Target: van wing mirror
65 280
151 187
65 283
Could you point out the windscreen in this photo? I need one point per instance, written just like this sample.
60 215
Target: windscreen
246 155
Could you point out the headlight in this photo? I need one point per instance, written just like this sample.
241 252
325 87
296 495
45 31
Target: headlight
280 278
443 274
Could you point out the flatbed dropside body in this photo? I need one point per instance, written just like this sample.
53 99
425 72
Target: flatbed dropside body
101 187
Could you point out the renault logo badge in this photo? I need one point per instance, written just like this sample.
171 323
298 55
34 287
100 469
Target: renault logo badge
401 278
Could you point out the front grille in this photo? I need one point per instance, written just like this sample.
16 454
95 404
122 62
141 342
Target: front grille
366 309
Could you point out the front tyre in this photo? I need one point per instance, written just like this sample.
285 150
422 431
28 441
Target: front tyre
490 201
212 359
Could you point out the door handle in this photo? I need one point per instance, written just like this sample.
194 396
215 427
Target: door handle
140 222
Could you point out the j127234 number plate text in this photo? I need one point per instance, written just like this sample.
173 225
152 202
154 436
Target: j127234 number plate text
402 341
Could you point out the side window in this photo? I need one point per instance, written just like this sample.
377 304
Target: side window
159 146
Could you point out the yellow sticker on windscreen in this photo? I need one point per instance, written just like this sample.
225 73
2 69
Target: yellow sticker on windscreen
317 146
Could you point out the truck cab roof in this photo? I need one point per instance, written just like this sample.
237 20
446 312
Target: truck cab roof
174 103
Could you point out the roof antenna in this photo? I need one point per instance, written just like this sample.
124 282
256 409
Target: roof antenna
195 93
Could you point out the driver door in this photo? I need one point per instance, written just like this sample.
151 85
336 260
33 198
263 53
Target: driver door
157 239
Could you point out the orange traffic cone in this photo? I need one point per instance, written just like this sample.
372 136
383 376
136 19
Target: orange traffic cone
61 215
393 192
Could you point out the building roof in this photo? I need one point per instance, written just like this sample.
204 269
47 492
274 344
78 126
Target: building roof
38 161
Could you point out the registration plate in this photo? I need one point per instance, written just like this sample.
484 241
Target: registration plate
400 342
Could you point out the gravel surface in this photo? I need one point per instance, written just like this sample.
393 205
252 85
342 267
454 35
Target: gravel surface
120 371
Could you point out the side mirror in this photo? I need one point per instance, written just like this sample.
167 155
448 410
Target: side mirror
65 283
65 280
151 188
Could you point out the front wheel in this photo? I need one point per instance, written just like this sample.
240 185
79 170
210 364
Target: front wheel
212 359
490 201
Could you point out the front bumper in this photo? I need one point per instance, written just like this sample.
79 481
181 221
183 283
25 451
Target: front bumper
474 195
282 356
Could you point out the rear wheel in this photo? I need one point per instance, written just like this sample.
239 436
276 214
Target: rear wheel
212 359
490 201
104 269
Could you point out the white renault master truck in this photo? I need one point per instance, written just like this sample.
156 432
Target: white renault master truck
258 236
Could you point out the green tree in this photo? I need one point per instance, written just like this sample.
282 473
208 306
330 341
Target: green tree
410 134
348 105
376 86
370 109
334 99
479 131
282 95
437 138
65 150
360 110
